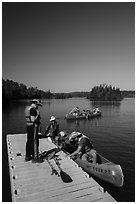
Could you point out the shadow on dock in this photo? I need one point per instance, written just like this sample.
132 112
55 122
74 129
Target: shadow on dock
51 154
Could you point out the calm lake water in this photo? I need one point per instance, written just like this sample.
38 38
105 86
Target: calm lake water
113 136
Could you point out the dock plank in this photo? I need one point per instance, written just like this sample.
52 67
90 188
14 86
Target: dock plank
34 181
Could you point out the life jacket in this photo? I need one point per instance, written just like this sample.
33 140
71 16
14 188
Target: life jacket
27 115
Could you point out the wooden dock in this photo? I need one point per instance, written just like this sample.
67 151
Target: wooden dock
33 182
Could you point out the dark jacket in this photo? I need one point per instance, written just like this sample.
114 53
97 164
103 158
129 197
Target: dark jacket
53 128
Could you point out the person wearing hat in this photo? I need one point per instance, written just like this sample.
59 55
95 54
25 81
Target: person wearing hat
85 147
53 128
61 138
32 116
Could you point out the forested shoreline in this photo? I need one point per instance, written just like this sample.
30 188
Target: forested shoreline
105 93
16 91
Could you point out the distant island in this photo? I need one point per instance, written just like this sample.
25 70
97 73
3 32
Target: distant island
105 93
15 91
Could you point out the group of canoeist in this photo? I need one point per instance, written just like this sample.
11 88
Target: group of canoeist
79 144
75 113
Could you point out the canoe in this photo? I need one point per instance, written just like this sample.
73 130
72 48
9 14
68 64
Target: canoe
102 169
80 116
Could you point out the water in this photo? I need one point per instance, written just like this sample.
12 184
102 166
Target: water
113 136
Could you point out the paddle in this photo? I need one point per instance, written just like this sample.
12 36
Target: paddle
72 110
64 176
54 171
35 143
47 155
51 154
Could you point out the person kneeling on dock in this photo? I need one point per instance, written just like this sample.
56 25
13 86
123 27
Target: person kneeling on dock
53 128
85 147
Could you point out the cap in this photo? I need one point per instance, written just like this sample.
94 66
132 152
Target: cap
74 135
52 118
62 133
36 101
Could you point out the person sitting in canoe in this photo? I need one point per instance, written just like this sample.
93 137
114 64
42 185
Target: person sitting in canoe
76 111
96 110
84 113
88 113
85 147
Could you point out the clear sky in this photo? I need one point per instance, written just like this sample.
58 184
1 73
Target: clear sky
69 46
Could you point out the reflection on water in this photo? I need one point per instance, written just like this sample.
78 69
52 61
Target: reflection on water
76 124
113 103
111 106
113 134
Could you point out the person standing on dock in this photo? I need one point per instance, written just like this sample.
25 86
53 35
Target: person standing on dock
32 115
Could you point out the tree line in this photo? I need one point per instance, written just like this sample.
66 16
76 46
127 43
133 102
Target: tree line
105 93
13 91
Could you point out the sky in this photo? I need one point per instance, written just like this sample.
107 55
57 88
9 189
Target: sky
69 46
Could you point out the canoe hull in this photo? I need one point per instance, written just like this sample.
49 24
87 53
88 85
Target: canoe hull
109 172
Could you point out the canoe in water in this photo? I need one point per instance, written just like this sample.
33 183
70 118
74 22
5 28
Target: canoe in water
104 170
92 115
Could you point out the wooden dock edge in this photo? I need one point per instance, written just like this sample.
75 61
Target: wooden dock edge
9 151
